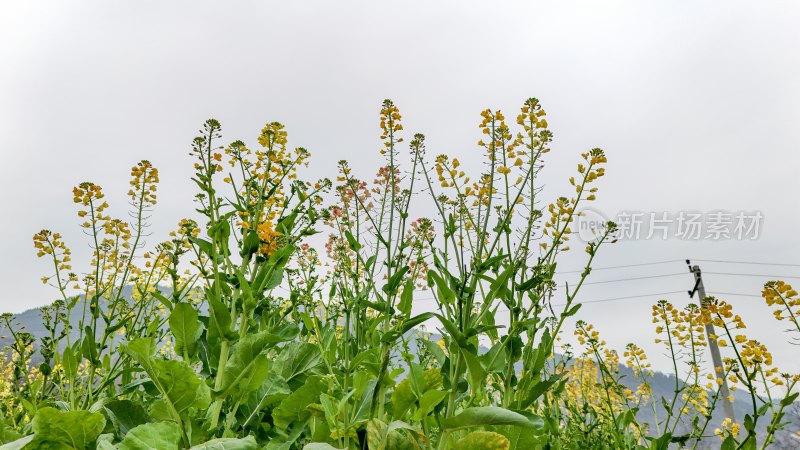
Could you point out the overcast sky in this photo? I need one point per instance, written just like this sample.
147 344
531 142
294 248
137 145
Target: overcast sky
695 103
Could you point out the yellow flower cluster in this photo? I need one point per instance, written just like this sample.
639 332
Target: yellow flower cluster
390 124
557 226
144 183
273 136
88 194
720 314
636 359
694 398
681 328
49 243
728 428
268 237
781 295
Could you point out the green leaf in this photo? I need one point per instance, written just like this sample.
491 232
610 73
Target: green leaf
728 444
394 282
354 245
521 438
453 330
19 444
70 363
273 390
203 245
529 284
404 307
572 311
185 327
477 375
298 359
106 442
320 446
483 440
247 366
248 443
250 243
406 325
141 350
443 292
219 326
435 350
295 406
68 430
175 380
180 385
125 415
486 415
394 436
153 436
789 399
428 402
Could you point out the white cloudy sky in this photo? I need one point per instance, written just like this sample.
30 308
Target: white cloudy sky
695 103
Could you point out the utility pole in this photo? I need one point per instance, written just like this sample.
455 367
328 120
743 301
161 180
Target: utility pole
719 369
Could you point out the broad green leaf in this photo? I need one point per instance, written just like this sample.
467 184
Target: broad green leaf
69 363
125 414
250 243
141 350
295 406
522 438
404 396
530 283
68 430
394 436
203 245
435 350
219 325
443 291
153 436
394 282
401 328
428 402
247 366
320 446
482 440
453 330
7 432
185 327
180 385
248 443
273 390
477 375
298 358
352 241
486 415
404 307
106 442
19 444
176 381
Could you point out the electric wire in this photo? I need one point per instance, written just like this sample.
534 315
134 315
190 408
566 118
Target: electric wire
757 263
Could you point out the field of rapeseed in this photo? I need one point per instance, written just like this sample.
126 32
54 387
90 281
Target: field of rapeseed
247 329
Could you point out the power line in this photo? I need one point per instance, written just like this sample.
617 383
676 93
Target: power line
624 266
723 261
613 299
753 275
636 278
603 300
735 294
